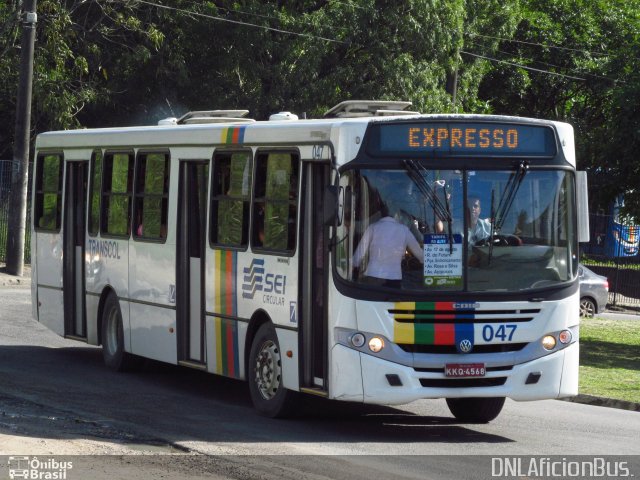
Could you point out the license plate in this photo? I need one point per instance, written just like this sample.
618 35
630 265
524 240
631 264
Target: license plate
464 370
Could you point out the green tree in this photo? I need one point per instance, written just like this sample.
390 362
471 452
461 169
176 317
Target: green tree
80 45
578 62
613 140
304 56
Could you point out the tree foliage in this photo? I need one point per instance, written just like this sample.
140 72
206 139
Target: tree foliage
125 62
578 63
81 47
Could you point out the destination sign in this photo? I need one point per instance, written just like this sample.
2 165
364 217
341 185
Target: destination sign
490 139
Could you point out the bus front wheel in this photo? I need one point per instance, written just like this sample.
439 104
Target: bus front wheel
268 394
475 410
113 338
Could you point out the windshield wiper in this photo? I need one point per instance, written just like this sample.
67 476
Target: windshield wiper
493 204
443 212
509 195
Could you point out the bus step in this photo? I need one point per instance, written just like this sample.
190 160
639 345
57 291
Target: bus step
314 391
192 364
76 337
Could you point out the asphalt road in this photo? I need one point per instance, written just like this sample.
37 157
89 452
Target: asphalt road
51 388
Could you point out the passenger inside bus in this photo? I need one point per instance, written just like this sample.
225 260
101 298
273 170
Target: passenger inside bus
382 249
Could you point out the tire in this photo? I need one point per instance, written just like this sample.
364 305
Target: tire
268 394
113 338
587 307
475 410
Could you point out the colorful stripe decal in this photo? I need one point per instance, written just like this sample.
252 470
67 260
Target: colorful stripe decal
464 331
432 333
225 302
225 275
233 135
227 362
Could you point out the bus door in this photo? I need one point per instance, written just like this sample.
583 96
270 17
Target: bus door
314 276
190 257
73 245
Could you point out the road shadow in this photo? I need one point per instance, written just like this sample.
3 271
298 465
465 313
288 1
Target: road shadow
165 403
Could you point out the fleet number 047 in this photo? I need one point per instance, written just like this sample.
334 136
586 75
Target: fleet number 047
504 333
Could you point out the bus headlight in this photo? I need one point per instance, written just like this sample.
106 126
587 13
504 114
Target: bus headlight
565 337
357 340
376 344
549 342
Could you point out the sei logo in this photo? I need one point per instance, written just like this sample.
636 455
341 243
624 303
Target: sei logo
257 279
274 283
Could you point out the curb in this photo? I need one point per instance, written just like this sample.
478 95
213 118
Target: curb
15 282
604 402
8 280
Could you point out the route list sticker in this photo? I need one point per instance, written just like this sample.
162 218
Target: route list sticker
442 260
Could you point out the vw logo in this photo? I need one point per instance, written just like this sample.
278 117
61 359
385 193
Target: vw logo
465 346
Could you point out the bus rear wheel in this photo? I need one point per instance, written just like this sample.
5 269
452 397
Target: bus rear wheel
475 410
268 394
113 351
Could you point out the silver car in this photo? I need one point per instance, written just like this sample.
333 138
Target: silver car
594 292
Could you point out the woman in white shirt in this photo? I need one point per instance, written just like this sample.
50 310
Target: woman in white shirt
384 244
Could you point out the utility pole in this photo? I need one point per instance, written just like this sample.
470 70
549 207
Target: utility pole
20 170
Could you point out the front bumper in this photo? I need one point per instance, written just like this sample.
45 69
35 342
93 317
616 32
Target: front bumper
556 376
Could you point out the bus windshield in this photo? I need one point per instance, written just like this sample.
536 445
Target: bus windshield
425 230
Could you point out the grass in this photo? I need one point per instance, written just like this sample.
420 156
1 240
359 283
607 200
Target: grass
610 358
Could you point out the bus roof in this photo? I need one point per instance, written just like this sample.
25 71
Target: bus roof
259 132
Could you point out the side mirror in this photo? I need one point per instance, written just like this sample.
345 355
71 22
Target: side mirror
582 201
332 211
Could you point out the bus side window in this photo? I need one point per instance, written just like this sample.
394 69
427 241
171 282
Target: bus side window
276 201
116 194
151 196
48 205
231 184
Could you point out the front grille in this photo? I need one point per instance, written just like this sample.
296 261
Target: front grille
497 348
462 382
446 312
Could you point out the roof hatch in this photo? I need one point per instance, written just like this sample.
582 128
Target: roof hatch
369 108
209 116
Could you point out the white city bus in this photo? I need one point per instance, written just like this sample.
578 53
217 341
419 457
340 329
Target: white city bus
230 245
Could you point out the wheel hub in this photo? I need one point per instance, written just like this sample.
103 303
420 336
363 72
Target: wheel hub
268 370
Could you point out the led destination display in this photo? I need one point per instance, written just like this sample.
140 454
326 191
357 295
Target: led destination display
488 139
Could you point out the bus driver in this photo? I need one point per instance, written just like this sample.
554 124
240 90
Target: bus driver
479 228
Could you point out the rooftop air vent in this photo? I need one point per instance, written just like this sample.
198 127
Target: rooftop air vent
215 116
283 116
168 121
369 108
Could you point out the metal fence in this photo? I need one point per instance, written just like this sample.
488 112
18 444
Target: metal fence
606 257
6 169
623 274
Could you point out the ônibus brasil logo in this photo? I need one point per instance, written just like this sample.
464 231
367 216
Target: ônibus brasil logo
27 467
